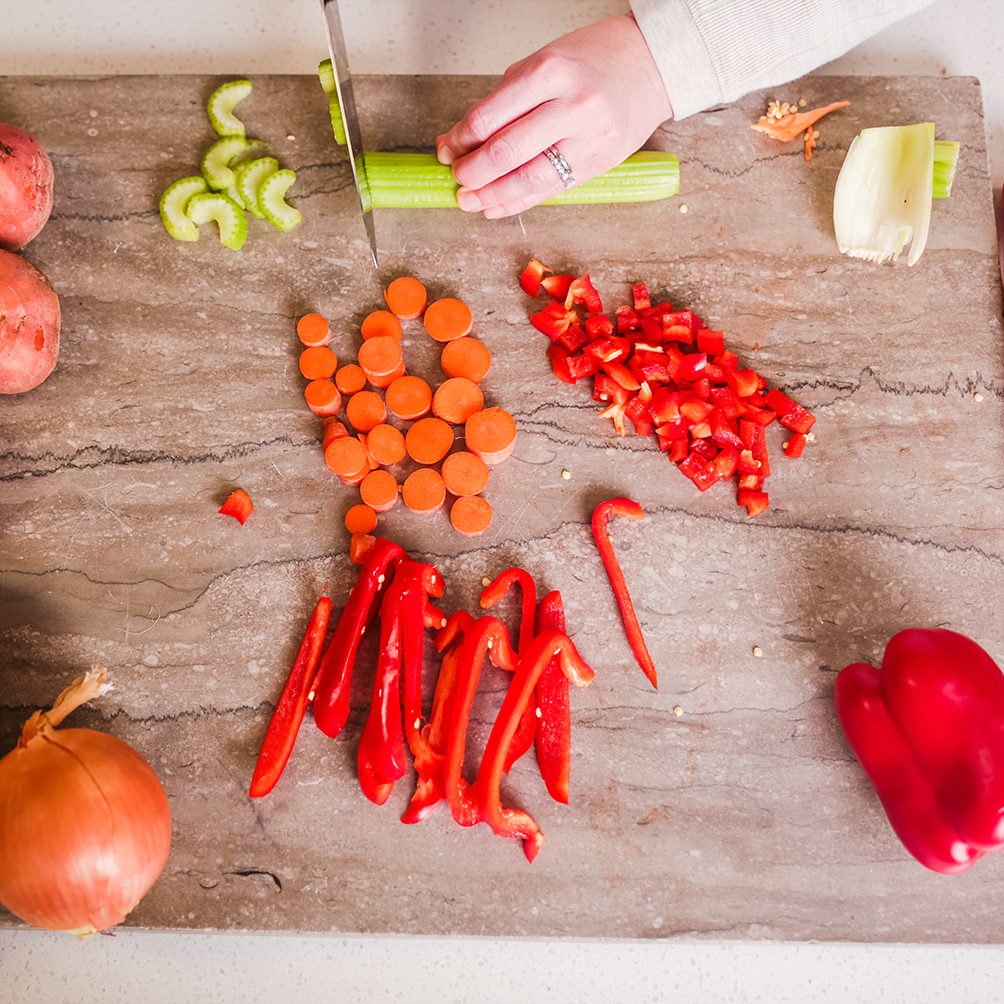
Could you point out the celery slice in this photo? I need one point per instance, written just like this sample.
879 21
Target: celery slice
946 159
272 201
229 217
337 122
215 164
173 204
250 176
326 72
419 181
221 107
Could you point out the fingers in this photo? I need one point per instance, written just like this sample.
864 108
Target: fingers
522 188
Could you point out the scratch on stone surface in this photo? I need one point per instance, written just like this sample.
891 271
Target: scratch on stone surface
247 872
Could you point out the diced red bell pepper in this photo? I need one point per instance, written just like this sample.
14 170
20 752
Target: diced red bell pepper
692 366
599 326
694 410
727 401
621 374
572 338
759 416
650 331
743 382
559 355
557 285
795 445
755 502
583 293
778 401
673 432
679 450
798 420
724 431
728 360
606 348
700 470
581 365
606 388
639 293
238 505
665 406
532 274
726 462
627 319
711 342
704 447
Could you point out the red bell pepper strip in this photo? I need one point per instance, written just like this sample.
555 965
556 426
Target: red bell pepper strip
404 614
485 635
430 751
490 595
334 675
928 729
554 725
601 515
513 822
292 704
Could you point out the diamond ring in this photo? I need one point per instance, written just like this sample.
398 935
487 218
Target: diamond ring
560 165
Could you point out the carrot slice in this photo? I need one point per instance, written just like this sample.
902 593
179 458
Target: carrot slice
322 397
386 444
429 440
409 397
365 410
447 319
423 491
456 400
464 474
332 430
379 490
491 435
406 297
370 459
381 360
360 519
466 357
471 515
346 456
381 322
313 329
350 379
318 362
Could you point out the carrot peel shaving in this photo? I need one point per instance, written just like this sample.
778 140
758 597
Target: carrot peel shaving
788 127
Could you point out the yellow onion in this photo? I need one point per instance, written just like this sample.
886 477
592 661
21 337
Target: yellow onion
85 826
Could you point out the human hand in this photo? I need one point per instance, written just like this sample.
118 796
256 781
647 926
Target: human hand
595 94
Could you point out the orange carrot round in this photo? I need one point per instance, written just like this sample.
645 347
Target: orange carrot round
405 297
332 430
456 400
381 360
386 444
491 435
313 329
464 474
429 440
360 519
379 490
381 322
318 362
322 397
447 319
350 379
466 357
471 515
346 456
423 491
365 410
409 397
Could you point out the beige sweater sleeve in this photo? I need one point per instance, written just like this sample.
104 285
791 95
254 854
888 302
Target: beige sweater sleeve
714 51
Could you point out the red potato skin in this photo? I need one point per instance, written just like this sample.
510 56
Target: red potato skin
29 325
25 187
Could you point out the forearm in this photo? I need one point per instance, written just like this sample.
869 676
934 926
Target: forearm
710 52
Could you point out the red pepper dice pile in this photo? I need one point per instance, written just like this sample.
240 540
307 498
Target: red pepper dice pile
666 372
535 709
928 729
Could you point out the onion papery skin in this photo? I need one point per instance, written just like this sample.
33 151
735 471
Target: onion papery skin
85 830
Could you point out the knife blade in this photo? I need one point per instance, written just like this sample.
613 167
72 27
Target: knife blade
350 116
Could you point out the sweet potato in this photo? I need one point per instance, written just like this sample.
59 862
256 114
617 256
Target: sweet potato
25 187
29 325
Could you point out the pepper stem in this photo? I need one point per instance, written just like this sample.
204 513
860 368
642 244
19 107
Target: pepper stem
83 689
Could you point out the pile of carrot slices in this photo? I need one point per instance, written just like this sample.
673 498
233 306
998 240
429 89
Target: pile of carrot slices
665 372
388 432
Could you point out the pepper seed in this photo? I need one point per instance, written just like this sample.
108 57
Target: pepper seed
757 651
977 397
678 711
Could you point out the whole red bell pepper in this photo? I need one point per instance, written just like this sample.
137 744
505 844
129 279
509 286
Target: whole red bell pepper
928 729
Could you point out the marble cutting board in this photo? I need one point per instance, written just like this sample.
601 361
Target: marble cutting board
745 817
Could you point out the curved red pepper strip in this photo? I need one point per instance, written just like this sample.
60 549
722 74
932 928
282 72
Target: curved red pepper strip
486 635
292 704
554 726
334 675
490 595
513 822
601 515
404 614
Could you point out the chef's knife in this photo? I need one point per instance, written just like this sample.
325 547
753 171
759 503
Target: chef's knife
350 117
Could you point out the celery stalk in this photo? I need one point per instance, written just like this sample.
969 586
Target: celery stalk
882 201
419 181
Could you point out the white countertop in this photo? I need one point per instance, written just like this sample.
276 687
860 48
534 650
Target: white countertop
959 37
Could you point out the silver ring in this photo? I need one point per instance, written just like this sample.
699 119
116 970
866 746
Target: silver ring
560 165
